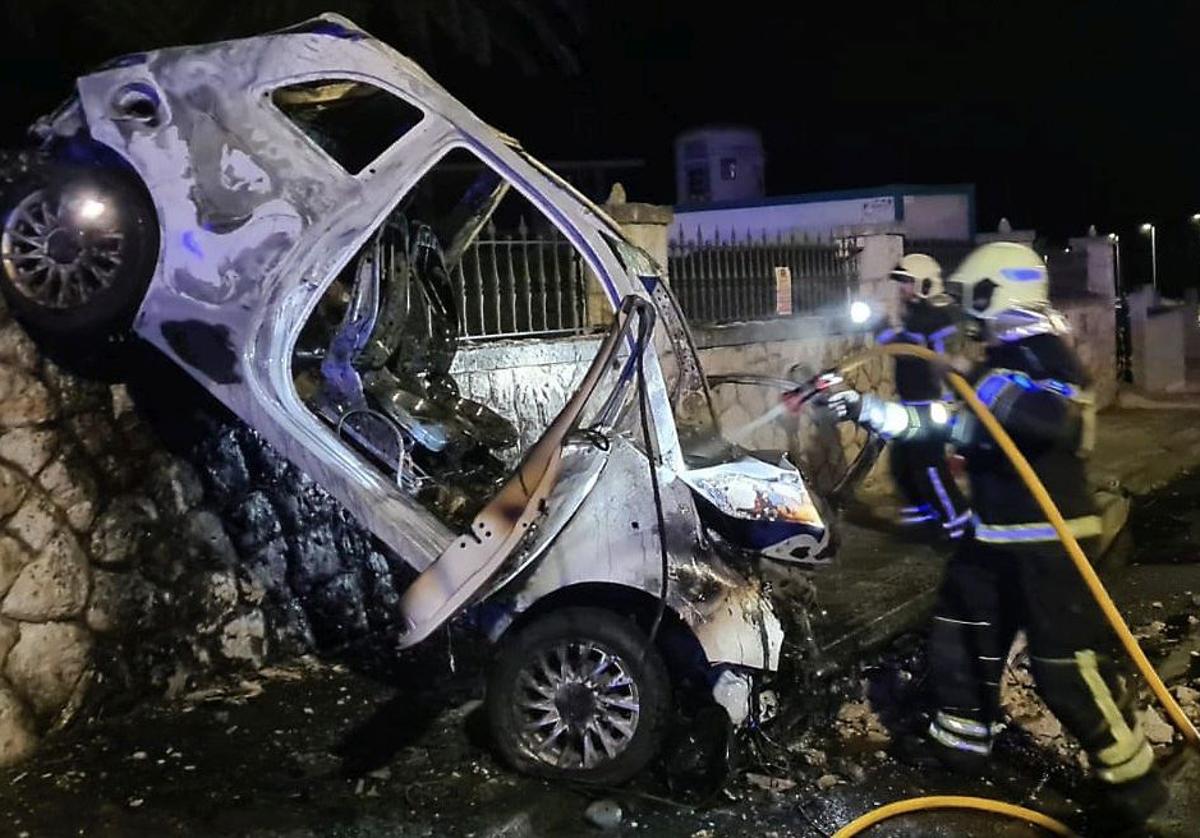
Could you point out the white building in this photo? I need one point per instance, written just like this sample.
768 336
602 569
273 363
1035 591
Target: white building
945 212
719 163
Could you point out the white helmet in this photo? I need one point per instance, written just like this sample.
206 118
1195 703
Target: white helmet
923 272
1000 276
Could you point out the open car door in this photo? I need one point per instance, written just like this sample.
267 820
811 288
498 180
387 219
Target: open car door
474 558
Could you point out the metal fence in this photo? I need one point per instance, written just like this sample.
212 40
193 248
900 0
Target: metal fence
724 281
520 285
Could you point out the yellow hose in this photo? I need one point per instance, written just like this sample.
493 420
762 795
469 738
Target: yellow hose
1090 578
951 801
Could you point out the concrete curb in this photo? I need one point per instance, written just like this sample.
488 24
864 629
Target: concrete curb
1136 400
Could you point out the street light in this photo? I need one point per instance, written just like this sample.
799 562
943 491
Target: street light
1116 243
1148 229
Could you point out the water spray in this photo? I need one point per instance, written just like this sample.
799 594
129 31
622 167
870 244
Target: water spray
856 318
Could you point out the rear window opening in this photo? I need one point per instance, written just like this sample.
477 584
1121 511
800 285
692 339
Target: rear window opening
352 121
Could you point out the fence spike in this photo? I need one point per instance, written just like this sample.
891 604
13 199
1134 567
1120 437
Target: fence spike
522 227
491 228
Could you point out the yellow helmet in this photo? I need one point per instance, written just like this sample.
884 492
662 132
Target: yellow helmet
923 272
998 277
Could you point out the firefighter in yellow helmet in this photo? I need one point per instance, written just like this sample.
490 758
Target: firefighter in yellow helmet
1011 574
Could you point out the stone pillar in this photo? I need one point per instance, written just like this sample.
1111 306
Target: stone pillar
1005 233
1101 264
880 252
1158 335
878 255
646 225
1192 302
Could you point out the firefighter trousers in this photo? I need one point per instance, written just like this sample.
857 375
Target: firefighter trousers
923 476
988 594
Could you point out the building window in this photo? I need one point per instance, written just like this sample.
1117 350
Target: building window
728 168
697 183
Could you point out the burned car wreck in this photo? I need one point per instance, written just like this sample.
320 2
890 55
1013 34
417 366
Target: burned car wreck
305 222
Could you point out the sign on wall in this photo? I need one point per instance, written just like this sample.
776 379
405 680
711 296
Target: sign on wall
783 290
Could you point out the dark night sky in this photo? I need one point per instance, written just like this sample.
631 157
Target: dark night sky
1062 113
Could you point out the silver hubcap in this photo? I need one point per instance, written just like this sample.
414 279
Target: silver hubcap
51 260
576 705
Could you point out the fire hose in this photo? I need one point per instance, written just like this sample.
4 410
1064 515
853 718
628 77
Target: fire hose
1078 558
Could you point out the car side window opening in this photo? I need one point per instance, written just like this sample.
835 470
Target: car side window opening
354 122
452 339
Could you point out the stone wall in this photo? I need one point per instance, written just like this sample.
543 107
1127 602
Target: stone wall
105 544
795 349
527 382
128 568
774 347
1159 335
1094 338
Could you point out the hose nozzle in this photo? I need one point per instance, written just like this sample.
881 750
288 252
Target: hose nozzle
795 399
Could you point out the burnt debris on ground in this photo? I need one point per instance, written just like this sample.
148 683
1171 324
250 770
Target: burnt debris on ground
317 748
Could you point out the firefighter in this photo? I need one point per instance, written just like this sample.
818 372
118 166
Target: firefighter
919 465
1011 573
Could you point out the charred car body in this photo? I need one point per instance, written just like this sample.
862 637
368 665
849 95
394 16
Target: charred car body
235 205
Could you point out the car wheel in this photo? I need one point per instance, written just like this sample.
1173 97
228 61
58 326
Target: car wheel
78 247
579 694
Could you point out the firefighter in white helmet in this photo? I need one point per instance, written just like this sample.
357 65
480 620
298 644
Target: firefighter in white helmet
1011 574
919 465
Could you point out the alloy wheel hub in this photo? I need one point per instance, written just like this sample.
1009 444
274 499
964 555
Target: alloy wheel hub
53 261
577 705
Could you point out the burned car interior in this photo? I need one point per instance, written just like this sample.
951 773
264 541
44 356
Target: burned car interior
375 360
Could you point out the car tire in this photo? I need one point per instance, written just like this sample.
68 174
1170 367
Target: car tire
579 694
66 272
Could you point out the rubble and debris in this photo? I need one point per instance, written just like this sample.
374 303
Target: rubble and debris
767 783
1152 629
827 781
1025 707
854 772
813 757
857 720
604 814
1157 729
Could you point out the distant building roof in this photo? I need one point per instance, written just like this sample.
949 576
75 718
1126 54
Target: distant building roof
888 190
